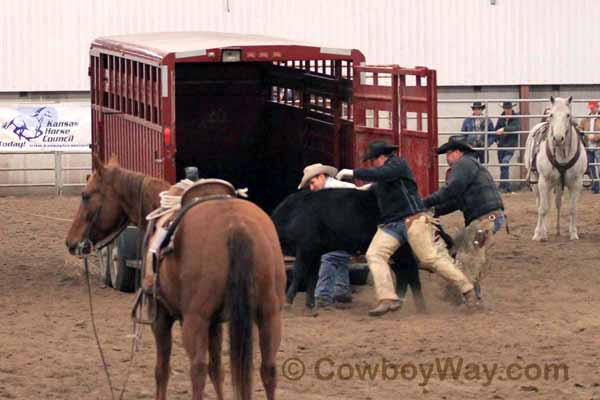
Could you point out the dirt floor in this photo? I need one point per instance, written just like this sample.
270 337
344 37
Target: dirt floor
542 318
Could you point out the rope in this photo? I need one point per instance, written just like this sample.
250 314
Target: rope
89 289
134 344
35 215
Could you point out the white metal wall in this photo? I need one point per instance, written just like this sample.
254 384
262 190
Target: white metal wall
44 43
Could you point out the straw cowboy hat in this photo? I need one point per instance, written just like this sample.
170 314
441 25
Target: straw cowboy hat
316 169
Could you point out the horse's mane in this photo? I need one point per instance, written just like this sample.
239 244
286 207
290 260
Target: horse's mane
129 183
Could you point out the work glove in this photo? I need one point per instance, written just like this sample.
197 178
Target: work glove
345 174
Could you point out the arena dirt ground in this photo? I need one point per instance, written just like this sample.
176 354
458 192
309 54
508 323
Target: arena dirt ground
543 315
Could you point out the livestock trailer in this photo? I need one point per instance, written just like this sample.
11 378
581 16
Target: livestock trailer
253 110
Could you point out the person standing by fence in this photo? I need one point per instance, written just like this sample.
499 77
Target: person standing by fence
591 126
506 137
477 125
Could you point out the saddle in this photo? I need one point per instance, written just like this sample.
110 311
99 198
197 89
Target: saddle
163 222
538 137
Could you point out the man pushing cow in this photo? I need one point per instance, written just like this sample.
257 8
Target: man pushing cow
471 190
403 219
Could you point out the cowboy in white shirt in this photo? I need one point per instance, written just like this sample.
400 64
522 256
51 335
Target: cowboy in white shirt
333 285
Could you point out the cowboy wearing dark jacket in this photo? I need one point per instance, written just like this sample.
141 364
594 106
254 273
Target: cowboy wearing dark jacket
505 137
470 189
402 220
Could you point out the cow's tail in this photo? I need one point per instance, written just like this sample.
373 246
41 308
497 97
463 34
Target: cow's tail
241 299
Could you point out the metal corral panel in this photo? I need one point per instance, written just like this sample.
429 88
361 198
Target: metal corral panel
469 42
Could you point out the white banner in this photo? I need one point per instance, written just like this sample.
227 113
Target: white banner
54 127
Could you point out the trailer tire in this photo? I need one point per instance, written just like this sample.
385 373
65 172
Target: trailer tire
122 277
104 261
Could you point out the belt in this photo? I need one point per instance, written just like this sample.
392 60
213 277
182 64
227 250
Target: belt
492 216
411 218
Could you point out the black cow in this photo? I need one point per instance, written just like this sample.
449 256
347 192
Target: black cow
311 224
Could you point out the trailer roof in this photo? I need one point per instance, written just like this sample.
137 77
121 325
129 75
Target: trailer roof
189 44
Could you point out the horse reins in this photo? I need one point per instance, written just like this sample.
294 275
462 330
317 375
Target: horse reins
83 245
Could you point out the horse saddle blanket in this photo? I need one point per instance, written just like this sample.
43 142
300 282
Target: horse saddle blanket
538 137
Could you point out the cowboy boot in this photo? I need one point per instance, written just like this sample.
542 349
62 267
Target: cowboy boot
384 306
471 302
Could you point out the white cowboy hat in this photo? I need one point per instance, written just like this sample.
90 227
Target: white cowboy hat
316 169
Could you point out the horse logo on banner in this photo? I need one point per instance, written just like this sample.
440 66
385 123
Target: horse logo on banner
30 125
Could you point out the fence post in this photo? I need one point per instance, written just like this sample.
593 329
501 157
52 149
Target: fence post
523 110
58 172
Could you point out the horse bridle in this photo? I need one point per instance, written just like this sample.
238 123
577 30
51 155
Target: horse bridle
563 167
87 241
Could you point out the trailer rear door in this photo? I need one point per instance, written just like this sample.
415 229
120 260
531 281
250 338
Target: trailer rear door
398 105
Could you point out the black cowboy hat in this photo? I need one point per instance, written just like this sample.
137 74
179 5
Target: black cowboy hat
508 104
478 104
455 143
378 148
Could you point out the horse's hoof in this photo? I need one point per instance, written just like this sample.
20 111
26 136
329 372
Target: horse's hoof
575 237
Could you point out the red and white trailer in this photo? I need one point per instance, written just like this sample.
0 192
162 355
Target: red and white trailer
253 110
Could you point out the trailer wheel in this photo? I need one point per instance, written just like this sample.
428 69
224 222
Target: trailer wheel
121 276
104 261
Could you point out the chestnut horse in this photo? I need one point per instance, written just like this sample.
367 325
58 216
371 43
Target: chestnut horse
226 264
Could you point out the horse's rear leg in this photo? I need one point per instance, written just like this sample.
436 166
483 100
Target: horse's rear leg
195 342
161 328
558 202
214 367
269 328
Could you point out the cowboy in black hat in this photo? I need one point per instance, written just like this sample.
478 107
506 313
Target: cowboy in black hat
402 220
506 138
470 189
477 124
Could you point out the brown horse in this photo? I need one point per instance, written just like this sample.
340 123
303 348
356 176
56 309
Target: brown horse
226 264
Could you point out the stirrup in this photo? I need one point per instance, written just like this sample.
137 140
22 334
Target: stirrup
137 310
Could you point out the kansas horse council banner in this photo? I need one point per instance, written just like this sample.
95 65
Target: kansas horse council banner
55 127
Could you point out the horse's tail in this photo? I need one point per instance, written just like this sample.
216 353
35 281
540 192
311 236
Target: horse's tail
241 299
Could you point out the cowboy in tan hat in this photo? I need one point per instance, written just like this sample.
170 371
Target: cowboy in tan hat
319 176
333 286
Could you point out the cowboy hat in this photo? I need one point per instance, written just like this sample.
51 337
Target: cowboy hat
478 104
455 143
508 104
316 169
377 148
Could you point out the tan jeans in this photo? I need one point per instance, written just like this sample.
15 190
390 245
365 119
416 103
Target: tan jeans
382 247
432 253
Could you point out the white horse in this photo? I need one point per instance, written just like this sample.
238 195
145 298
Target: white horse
560 163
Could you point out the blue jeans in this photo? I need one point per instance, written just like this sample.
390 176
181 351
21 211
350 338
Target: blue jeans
498 222
397 229
334 278
504 157
592 172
